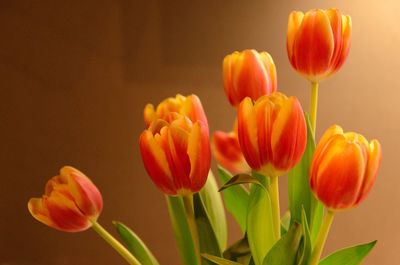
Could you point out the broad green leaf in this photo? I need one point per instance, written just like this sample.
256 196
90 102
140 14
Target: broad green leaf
236 199
218 260
306 245
239 251
181 229
284 252
318 216
240 179
135 245
285 223
206 234
260 231
349 256
215 208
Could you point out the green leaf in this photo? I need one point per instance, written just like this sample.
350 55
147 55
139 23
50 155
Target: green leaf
240 179
135 245
349 256
181 229
239 251
260 231
285 223
215 208
318 216
284 252
218 260
306 245
236 199
207 237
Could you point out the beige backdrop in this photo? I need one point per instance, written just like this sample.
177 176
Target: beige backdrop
75 76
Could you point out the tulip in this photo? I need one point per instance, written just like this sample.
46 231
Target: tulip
248 74
176 154
189 106
318 42
344 168
71 202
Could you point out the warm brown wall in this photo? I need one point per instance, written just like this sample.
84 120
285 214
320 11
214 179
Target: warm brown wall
75 76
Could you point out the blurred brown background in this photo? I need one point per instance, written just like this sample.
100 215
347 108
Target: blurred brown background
75 76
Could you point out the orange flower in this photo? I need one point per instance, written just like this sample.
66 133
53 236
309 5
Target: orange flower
189 106
176 154
71 202
248 74
344 168
272 133
227 152
318 42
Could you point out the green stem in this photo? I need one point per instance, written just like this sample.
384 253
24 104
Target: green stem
314 106
276 213
115 244
189 210
323 234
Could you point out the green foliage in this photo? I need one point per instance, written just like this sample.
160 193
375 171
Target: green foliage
218 260
349 256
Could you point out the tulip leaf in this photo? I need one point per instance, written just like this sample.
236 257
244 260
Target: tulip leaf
218 260
285 223
349 256
206 234
182 231
215 208
306 245
260 231
236 199
284 252
135 245
240 179
239 251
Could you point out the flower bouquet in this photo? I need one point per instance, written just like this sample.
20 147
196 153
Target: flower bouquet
271 137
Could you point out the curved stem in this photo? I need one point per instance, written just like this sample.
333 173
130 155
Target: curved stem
189 210
314 106
323 234
276 213
115 244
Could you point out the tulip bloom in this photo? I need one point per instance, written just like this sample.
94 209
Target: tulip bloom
189 106
272 133
318 42
176 154
248 74
228 154
71 202
344 168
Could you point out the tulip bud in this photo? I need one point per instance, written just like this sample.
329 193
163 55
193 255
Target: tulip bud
318 42
71 202
248 74
176 154
272 133
344 168
189 106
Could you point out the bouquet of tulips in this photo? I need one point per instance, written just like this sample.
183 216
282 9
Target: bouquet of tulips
271 137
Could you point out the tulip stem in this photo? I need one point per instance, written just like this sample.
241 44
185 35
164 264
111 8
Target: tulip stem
115 244
276 212
323 234
189 210
314 106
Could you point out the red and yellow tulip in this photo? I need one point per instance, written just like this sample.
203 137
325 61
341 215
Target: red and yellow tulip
71 202
344 168
272 133
318 42
176 154
248 74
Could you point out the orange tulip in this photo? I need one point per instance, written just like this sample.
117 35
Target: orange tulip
318 42
272 133
176 154
344 168
248 74
71 202
189 106
228 154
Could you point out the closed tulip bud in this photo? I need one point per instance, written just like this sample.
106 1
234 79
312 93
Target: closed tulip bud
272 133
176 154
71 202
344 168
248 74
318 42
189 106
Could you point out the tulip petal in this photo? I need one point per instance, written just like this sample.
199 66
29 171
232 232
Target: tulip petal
149 114
193 108
270 67
295 20
39 211
346 43
335 19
